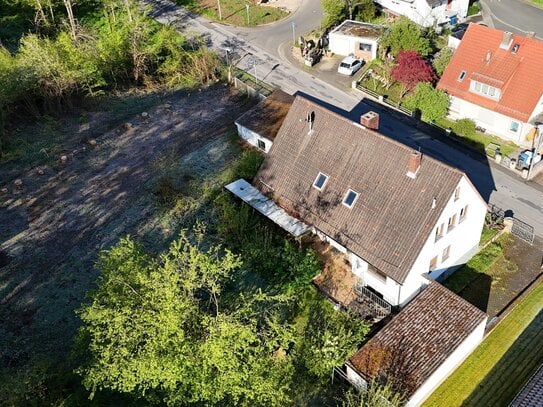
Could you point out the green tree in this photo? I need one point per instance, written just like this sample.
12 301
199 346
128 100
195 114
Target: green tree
334 11
365 10
405 35
149 331
442 59
431 102
330 337
377 395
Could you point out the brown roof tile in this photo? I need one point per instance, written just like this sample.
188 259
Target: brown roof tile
519 75
268 115
532 393
419 339
392 217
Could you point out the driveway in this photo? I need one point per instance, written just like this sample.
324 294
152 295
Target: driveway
515 16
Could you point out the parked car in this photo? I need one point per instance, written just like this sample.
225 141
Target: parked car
349 65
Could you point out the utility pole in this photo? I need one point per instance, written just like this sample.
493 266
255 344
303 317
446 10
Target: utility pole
219 7
254 64
247 8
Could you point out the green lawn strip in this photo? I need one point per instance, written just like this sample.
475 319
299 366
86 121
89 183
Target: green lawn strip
480 263
501 364
487 234
480 140
538 3
235 12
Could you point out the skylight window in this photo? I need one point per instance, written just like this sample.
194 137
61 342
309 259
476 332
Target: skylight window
461 76
350 198
320 181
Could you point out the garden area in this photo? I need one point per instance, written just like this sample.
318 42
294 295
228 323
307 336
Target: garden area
496 275
497 370
236 12
409 65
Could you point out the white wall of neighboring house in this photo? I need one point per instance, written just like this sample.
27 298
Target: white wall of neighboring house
495 123
346 44
421 13
253 138
446 368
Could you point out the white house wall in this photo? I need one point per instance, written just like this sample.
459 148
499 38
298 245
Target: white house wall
447 367
463 240
493 122
252 138
346 45
421 13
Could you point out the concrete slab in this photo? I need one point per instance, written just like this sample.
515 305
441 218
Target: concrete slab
252 196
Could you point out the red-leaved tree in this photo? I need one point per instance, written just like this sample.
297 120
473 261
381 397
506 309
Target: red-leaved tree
412 69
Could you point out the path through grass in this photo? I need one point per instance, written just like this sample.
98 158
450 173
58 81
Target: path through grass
505 360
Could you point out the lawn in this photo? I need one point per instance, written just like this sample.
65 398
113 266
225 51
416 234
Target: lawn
487 234
235 11
494 373
480 141
538 3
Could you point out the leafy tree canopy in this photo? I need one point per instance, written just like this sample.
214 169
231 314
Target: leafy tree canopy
412 69
432 103
405 35
442 59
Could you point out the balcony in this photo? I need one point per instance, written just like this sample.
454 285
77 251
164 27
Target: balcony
378 307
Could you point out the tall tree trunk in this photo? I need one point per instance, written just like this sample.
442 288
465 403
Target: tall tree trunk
128 10
68 4
40 14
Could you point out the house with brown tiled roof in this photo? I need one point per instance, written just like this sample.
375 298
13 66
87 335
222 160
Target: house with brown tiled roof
496 79
259 125
532 392
397 215
421 346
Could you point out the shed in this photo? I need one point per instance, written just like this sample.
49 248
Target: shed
356 38
259 125
422 345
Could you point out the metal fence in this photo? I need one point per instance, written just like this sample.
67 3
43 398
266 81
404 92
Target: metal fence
379 307
523 231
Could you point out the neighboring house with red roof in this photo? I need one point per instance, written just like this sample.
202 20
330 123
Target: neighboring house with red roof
421 346
428 13
398 216
496 79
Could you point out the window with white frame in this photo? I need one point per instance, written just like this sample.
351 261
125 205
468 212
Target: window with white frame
485 90
350 198
261 144
452 223
364 47
457 193
446 253
320 181
461 76
433 264
514 126
463 213
440 231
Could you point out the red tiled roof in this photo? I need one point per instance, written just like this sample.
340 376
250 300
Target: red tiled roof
519 75
412 346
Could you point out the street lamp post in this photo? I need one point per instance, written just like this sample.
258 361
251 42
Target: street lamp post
293 33
219 7
254 65
247 8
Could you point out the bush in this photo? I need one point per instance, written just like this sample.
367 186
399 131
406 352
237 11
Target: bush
464 127
473 9
442 59
431 102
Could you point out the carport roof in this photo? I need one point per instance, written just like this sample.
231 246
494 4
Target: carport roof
358 29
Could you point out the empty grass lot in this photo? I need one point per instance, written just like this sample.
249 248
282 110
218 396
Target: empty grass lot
494 373
234 11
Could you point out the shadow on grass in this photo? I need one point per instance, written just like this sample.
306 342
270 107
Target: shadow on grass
512 371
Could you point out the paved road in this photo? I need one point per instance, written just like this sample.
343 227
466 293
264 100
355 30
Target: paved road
515 16
496 185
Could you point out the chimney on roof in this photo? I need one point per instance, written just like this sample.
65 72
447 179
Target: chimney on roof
488 56
413 164
370 120
506 40
311 120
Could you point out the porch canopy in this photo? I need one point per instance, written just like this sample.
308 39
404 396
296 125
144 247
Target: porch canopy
252 196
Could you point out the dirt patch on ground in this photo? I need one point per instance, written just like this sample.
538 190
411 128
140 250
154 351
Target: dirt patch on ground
59 215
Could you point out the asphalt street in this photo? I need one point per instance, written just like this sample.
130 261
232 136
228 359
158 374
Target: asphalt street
263 53
514 15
